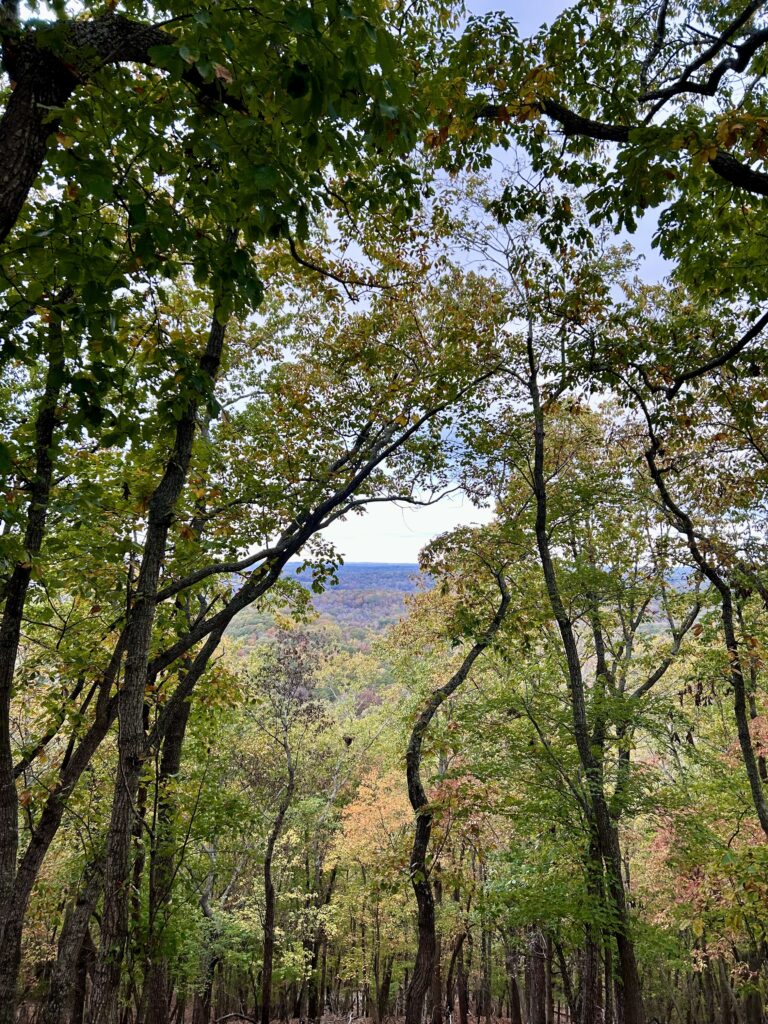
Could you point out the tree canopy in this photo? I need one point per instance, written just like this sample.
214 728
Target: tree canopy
262 267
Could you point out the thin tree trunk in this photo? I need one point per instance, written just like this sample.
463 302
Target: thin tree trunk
609 984
436 987
565 981
450 984
685 526
269 898
485 948
423 968
162 871
607 836
462 988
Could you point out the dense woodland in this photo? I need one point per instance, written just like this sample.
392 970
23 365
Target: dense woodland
263 265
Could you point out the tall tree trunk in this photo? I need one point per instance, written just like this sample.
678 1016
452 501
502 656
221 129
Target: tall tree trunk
436 987
565 981
316 993
515 1009
386 984
462 987
536 994
134 953
84 967
201 1011
606 832
15 596
423 968
269 898
313 982
590 996
450 982
609 987
511 965
485 949
131 733
548 981
162 870
729 1011
592 983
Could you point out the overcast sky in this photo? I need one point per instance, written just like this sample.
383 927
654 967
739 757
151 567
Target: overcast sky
390 533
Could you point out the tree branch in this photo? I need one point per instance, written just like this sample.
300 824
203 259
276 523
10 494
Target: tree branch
745 52
724 164
45 79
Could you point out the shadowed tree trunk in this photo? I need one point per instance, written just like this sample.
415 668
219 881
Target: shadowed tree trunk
451 980
424 966
162 871
565 981
316 994
269 896
13 903
535 974
70 965
631 992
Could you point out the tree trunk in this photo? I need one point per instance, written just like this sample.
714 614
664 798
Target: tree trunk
535 973
565 981
423 968
12 910
386 984
511 964
485 949
634 1011
609 986
67 970
515 1009
685 526
269 898
131 732
436 986
162 871
85 965
462 988
450 983
590 995
729 1012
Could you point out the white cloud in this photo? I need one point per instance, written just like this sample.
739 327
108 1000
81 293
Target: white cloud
396 533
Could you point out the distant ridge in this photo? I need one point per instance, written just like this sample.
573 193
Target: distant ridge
369 597
403 577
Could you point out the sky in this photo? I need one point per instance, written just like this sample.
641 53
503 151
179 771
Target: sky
396 533
389 533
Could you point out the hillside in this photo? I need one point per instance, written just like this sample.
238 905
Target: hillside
369 597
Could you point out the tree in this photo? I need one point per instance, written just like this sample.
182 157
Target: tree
197 539
243 88
426 969
170 197
639 107
284 682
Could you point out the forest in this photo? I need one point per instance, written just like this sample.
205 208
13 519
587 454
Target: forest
266 267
